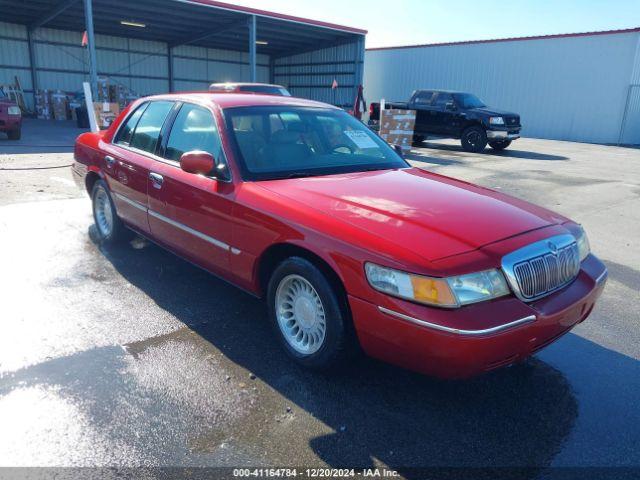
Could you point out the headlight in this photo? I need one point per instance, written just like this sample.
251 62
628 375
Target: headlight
14 110
584 248
496 121
443 292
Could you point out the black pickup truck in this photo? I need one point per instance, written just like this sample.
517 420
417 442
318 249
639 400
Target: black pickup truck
441 113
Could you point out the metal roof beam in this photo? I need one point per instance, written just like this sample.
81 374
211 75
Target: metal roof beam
51 14
209 34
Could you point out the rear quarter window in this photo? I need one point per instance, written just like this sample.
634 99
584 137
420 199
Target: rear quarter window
123 137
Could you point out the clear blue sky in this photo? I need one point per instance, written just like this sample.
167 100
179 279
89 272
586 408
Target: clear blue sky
402 22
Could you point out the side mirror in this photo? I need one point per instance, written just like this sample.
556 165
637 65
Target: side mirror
450 106
398 150
197 162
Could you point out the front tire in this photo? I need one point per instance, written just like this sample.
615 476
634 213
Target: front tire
474 139
109 227
500 145
306 314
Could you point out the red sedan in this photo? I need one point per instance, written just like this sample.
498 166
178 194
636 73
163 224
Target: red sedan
300 203
10 117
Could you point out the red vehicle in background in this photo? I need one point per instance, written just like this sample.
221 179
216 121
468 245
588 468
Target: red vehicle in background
263 88
10 117
300 203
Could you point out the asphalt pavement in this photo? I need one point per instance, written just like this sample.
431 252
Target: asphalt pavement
128 356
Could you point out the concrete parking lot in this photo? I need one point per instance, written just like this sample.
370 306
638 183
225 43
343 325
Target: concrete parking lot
130 356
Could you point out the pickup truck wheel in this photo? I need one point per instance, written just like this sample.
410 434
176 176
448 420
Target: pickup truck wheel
500 145
14 134
109 227
474 139
305 312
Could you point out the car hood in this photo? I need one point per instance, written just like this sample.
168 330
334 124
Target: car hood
433 215
492 111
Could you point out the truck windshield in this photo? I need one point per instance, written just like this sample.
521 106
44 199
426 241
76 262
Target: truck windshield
286 141
468 100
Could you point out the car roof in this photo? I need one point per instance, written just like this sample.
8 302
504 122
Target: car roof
248 99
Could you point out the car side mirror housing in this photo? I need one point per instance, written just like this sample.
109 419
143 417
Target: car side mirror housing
398 150
198 162
450 106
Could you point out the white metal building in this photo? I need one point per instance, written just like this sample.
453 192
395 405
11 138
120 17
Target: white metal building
156 46
579 87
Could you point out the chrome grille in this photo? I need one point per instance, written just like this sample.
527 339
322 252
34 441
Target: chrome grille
512 120
543 267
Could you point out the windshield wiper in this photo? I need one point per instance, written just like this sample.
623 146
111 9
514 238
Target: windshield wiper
300 175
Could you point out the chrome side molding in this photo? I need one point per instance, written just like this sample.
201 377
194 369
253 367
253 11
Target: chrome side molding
181 226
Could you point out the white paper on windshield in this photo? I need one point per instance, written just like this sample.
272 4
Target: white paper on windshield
360 138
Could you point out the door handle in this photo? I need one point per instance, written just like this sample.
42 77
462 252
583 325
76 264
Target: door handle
156 179
109 160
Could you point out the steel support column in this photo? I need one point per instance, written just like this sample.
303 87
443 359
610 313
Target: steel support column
32 63
272 69
252 48
91 45
170 65
358 66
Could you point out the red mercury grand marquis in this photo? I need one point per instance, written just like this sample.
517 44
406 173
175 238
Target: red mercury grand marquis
300 203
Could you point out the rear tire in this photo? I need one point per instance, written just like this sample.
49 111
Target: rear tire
473 139
14 134
109 227
500 145
306 314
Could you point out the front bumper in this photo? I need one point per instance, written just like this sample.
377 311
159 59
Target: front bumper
477 338
10 123
502 134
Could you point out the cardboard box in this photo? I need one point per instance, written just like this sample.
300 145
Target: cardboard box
396 127
103 90
43 104
106 113
60 105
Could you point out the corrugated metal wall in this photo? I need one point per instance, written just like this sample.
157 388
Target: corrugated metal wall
194 68
311 74
571 88
140 65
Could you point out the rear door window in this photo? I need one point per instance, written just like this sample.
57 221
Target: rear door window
424 98
442 99
147 131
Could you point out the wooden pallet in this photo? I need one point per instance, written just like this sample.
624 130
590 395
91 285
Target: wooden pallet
15 93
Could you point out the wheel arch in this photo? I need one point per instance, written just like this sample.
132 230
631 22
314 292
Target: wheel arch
472 122
275 254
90 180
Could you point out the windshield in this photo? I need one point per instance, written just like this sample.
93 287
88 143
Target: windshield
286 141
468 100
269 89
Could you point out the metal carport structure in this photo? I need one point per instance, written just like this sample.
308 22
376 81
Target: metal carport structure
171 39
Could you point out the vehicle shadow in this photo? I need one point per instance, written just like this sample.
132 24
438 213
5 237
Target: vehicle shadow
421 156
509 152
515 417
